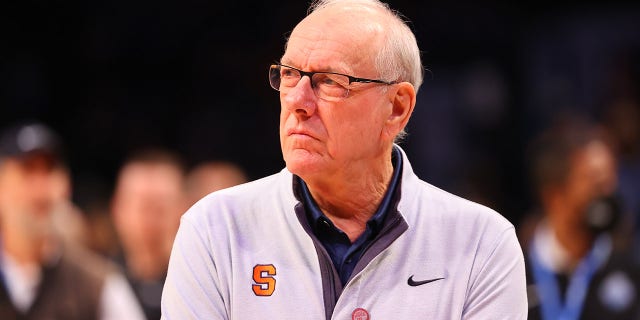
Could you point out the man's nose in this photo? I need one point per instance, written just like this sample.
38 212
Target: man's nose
301 99
43 193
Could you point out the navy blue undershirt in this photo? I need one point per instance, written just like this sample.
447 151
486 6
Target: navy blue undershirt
343 253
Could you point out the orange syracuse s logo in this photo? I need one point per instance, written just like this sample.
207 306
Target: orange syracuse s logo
264 282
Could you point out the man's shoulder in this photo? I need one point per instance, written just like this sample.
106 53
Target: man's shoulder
422 202
256 188
82 262
239 201
88 269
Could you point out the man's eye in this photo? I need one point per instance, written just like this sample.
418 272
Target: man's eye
329 80
288 73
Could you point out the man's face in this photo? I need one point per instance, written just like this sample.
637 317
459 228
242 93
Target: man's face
148 203
30 188
322 137
592 175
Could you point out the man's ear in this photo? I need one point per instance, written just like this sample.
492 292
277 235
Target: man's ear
403 100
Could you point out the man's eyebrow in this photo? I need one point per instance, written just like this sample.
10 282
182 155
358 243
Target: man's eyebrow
323 69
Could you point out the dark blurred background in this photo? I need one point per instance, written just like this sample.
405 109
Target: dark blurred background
114 76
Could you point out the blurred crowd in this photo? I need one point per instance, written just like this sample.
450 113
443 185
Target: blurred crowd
57 262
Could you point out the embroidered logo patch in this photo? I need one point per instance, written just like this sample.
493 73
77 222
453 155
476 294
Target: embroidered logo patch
264 284
360 314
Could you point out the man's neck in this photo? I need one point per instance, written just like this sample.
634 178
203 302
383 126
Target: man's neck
147 265
24 250
576 241
351 197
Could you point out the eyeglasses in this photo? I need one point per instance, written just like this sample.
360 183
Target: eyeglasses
328 86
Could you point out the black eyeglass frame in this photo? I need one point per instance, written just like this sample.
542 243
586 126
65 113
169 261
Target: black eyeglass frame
351 78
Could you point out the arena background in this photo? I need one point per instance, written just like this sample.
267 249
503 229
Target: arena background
113 76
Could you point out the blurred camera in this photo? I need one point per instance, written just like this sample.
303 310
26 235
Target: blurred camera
603 214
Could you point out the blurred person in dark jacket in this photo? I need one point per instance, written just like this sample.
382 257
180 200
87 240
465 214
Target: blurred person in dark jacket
146 207
576 270
43 273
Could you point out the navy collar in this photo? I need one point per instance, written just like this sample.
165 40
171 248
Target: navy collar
375 223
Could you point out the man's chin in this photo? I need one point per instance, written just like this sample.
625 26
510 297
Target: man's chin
303 165
37 230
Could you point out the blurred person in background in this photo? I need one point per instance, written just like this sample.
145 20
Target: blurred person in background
44 272
212 176
146 207
575 268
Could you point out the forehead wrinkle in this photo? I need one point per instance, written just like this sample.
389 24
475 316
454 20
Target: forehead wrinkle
348 48
312 52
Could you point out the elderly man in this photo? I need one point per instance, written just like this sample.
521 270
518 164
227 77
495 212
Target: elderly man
346 231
